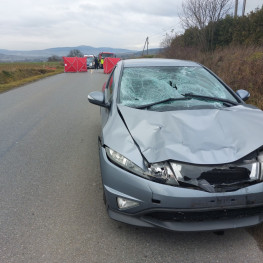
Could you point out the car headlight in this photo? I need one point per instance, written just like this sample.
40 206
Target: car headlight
172 173
260 159
124 162
232 173
162 173
158 172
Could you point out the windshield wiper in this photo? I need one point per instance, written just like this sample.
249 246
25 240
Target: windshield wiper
224 101
160 102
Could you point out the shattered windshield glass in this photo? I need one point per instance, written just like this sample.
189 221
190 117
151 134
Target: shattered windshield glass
149 85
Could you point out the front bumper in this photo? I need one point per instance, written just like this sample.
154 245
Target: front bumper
177 208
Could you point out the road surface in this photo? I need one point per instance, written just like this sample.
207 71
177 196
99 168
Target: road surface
51 207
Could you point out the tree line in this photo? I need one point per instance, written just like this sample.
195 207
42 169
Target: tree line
209 26
72 53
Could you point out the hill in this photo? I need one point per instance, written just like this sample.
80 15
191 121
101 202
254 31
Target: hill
41 55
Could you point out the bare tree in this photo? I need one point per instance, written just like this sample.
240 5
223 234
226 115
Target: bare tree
218 9
199 13
168 38
75 53
54 58
194 13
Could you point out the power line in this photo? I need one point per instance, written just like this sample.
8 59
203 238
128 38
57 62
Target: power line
164 31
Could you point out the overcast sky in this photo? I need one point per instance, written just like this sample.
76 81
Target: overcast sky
41 24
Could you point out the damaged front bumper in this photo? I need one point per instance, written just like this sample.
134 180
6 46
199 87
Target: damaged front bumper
207 220
178 208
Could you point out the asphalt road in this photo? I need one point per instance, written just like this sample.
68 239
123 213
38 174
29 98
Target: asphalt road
51 207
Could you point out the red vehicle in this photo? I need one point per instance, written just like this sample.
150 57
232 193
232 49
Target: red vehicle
103 55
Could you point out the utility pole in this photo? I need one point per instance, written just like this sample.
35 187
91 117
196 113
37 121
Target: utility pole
244 7
147 39
236 7
146 43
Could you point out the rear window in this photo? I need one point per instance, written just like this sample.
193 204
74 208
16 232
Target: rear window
107 55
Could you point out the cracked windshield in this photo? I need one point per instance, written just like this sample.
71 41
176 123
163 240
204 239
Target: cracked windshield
170 88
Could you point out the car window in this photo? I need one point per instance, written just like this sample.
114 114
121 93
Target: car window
109 88
107 55
90 59
140 86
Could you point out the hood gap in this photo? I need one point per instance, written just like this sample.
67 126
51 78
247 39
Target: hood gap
122 118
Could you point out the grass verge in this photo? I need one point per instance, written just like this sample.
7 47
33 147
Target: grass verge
13 75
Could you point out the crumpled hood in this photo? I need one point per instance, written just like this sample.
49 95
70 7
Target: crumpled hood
194 136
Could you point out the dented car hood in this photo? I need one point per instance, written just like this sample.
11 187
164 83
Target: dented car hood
207 136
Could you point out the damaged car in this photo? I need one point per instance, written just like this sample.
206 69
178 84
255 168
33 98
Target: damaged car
179 149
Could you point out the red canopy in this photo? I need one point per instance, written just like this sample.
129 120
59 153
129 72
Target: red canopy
75 64
109 64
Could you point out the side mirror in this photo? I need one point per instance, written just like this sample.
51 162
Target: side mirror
97 98
243 94
104 86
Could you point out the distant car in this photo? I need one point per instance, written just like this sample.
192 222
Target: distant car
103 55
179 149
90 61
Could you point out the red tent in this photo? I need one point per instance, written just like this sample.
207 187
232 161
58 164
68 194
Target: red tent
75 64
109 64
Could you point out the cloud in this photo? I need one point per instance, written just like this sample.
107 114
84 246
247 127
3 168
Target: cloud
32 24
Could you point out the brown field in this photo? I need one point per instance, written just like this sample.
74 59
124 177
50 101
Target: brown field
16 74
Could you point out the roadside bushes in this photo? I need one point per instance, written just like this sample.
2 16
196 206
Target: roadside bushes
240 67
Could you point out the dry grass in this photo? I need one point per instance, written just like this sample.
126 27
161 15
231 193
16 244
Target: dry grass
16 74
239 67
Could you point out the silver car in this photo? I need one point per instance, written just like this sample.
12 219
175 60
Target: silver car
178 148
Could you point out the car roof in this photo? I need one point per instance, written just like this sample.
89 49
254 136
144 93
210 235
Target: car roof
158 62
